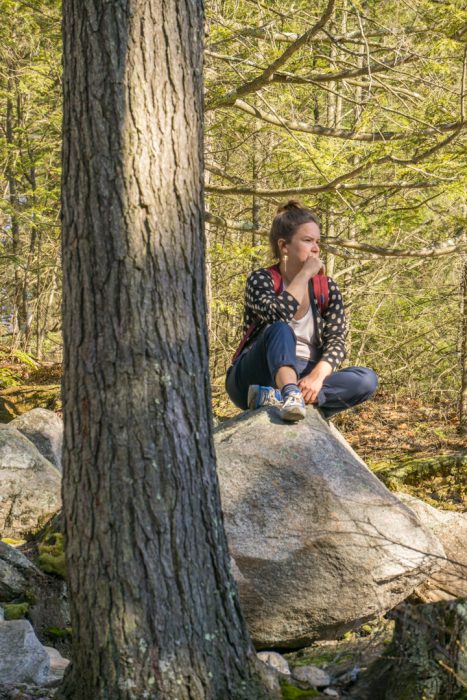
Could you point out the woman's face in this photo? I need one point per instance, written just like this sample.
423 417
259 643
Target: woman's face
304 243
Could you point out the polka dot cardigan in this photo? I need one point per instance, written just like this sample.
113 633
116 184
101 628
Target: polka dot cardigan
262 307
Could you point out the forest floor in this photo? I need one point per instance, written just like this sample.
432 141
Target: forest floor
395 432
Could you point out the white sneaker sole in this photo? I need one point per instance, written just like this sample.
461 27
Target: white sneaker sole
251 398
293 414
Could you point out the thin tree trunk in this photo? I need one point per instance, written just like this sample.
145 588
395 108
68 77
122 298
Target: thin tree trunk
15 230
463 395
154 608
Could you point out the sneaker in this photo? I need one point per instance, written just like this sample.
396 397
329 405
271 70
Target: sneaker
293 408
263 396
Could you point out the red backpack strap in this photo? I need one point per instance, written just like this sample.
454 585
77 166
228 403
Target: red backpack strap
321 292
320 287
278 286
275 273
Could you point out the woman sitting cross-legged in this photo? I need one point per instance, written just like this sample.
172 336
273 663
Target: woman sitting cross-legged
294 328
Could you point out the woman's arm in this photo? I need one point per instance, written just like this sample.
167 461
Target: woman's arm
262 301
333 346
334 328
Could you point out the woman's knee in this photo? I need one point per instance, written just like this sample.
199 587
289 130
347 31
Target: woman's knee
279 328
368 381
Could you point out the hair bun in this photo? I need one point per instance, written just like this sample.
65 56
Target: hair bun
291 204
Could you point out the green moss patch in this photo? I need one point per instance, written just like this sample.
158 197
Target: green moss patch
11 541
15 611
58 632
290 692
51 555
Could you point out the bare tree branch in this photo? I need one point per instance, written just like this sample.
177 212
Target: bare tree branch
265 77
358 186
458 244
348 134
287 37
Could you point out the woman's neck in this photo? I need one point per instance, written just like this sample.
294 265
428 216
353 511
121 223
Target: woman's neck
286 272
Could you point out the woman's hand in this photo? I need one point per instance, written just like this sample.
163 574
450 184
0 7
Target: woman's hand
310 387
311 384
312 266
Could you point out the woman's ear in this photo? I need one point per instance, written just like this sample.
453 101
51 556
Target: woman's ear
282 245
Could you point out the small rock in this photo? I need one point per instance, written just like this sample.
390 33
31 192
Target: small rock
331 693
58 664
30 485
44 428
348 677
313 676
2 615
23 659
275 660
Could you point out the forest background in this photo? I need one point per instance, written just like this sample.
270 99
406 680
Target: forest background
356 108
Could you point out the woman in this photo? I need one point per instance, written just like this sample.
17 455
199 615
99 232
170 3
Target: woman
291 350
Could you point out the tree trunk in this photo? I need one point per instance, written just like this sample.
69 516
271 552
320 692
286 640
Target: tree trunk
463 395
155 611
427 658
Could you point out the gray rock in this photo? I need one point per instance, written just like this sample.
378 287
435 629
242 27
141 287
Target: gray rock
275 660
311 676
319 543
58 664
29 485
450 527
2 614
23 659
45 429
16 572
331 693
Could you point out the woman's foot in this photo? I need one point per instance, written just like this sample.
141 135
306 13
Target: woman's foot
259 396
293 407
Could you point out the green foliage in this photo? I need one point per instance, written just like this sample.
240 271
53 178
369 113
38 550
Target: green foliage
405 312
25 358
30 104
8 377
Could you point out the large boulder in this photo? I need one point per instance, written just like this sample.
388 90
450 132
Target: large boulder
45 429
450 527
17 573
319 543
29 485
23 659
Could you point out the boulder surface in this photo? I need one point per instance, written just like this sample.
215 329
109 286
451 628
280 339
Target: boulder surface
29 485
23 659
319 543
45 429
16 573
450 527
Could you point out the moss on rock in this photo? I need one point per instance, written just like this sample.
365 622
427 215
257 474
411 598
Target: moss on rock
52 555
15 611
58 632
291 692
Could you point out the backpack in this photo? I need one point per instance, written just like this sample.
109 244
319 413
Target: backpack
320 290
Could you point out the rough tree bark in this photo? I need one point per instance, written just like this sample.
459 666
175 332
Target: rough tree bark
427 658
155 611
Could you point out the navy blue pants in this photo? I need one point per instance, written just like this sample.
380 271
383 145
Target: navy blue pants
275 348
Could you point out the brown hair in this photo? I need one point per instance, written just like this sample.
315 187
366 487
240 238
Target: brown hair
289 217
